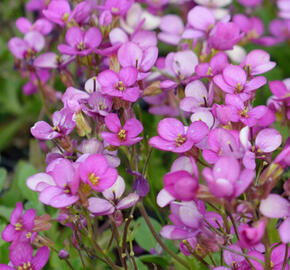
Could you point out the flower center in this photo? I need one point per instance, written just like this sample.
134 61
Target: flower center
122 134
28 235
239 87
94 179
101 105
56 128
18 226
120 86
180 140
114 9
25 266
65 17
244 112
81 46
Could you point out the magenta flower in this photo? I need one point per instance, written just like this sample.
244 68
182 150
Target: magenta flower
51 60
126 135
275 206
267 141
79 42
277 258
27 47
257 62
58 12
216 65
21 226
63 124
186 218
281 90
234 80
221 142
120 84
175 137
73 99
21 257
250 3
118 7
226 180
224 36
42 26
250 236
32 86
58 187
233 260
185 167
96 172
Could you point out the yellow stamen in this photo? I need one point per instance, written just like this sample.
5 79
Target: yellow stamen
18 226
180 140
94 179
122 134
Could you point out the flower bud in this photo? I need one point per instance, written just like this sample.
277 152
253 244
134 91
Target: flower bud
63 254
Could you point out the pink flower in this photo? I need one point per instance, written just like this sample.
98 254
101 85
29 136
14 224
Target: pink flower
250 236
234 80
79 42
175 137
95 171
42 26
275 206
118 7
126 135
27 47
120 84
257 62
226 180
58 187
21 257
63 124
21 225
224 36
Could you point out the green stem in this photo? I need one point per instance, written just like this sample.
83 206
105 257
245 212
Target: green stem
158 239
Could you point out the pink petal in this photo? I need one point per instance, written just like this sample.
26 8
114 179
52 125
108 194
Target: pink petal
100 206
150 56
128 75
170 128
43 131
197 131
41 257
9 233
47 195
234 75
111 138
162 144
129 54
201 18
93 37
221 83
20 253
275 206
23 25
107 179
128 201
255 83
63 200
133 127
244 182
268 140
113 122
116 190
164 198
46 60
284 231
108 78
35 40
131 94
18 47
227 168
74 36
28 219
17 213
33 181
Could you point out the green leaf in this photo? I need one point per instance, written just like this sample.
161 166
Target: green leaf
143 236
3 175
5 212
23 171
140 265
159 260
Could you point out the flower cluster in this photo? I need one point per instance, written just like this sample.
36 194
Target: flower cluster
228 155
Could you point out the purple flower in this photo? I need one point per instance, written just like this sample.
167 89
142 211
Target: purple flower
221 142
27 47
250 236
21 226
138 55
58 12
79 42
51 60
112 201
174 137
234 80
281 90
196 95
216 65
226 180
21 257
118 7
95 171
63 124
183 188
250 3
120 84
275 206
224 36
32 86
73 99
42 26
277 258
58 187
267 141
126 135
233 260
186 218
171 29
257 62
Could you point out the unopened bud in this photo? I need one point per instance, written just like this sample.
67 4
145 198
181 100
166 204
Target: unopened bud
63 254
